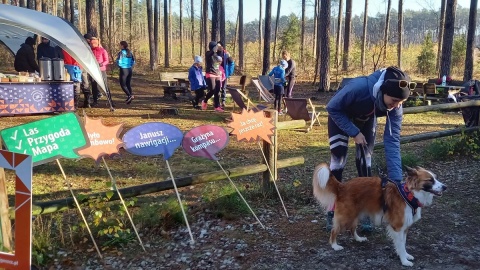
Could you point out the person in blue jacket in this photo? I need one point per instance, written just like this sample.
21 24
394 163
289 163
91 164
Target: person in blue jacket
353 112
278 73
125 61
197 81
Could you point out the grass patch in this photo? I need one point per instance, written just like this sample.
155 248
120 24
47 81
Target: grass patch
224 201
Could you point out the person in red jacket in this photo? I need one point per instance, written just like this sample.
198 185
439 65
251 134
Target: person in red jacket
75 71
102 58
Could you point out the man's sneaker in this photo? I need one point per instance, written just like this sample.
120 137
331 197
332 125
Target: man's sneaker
366 225
129 99
329 225
204 105
218 109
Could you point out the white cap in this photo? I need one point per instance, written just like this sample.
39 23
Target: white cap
198 59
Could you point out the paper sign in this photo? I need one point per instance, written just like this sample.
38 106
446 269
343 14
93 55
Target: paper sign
205 141
22 165
251 126
103 139
47 139
152 139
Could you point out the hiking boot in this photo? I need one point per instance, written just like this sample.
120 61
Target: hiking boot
129 99
219 109
366 225
94 104
86 104
204 105
329 224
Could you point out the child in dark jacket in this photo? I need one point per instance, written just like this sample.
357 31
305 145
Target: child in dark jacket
197 81
278 73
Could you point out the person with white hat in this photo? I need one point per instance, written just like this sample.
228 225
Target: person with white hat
278 73
197 81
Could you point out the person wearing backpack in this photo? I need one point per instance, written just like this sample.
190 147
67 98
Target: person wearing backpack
125 61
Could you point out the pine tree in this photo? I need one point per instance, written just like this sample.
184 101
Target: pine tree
426 59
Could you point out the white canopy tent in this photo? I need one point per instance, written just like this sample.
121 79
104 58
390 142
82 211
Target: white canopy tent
16 24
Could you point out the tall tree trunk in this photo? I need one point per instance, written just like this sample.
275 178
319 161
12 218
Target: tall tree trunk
364 35
215 21
72 11
385 34
316 37
302 43
448 37
240 36
235 37
441 28
221 13
268 37
472 18
348 31
130 21
181 31
151 36
205 24
260 30
400 34
324 30
170 43
156 27
339 33
192 22
66 10
91 17
122 21
101 15
166 32
274 54
316 15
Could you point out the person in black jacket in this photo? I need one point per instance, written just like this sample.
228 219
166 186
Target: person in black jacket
25 57
44 49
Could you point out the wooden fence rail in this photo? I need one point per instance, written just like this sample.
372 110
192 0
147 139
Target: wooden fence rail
436 134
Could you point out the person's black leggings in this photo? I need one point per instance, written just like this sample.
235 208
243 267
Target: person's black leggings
125 78
199 94
213 90
338 140
96 89
278 91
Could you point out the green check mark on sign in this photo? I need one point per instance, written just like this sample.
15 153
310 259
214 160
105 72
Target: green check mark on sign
46 139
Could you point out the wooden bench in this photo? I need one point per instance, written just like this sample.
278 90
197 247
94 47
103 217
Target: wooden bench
240 82
172 85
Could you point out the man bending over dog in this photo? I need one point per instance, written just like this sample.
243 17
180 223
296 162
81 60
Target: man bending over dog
353 112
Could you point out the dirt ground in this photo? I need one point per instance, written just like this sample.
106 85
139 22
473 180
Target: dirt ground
445 238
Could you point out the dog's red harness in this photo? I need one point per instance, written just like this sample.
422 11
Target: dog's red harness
406 194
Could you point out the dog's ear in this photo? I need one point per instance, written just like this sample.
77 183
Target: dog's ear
411 171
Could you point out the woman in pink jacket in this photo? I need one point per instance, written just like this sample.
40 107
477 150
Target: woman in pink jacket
102 58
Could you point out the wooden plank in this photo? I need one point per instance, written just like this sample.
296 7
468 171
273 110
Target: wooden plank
6 226
40 208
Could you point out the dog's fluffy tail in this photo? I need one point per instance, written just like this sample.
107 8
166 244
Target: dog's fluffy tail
325 186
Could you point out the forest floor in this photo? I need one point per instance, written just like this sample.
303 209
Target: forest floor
445 238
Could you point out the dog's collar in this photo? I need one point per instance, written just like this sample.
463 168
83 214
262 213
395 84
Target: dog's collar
406 194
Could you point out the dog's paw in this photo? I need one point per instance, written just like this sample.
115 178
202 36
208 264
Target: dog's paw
360 239
410 257
406 262
337 247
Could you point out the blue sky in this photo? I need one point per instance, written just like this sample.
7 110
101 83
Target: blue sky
251 7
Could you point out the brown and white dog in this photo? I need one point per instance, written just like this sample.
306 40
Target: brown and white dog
366 196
